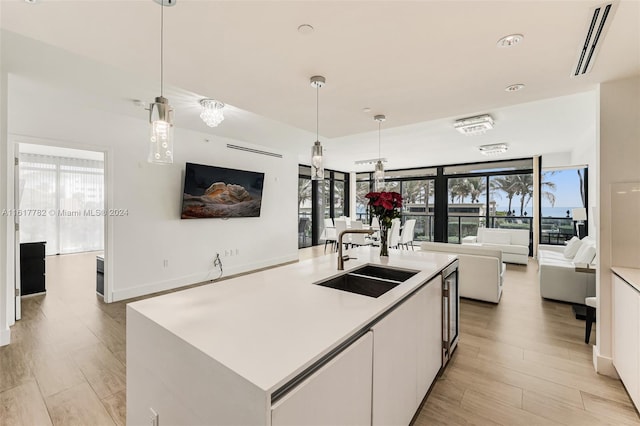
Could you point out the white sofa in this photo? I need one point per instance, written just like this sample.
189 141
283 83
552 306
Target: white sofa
557 273
480 270
514 243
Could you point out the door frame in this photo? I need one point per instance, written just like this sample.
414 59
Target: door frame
13 238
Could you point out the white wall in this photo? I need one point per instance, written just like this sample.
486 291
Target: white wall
153 230
6 273
618 156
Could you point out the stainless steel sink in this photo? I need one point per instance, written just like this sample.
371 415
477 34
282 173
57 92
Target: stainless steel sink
372 281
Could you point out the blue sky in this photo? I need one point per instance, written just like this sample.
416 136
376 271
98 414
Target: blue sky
567 189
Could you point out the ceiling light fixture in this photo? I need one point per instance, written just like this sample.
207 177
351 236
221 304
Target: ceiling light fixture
160 112
474 125
31 1
493 149
212 112
378 174
371 161
317 168
510 40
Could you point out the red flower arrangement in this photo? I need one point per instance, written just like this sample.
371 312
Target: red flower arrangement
385 205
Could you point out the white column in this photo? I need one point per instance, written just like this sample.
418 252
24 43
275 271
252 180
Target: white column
618 154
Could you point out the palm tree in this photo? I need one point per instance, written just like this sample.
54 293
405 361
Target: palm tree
476 188
582 188
304 191
506 184
525 189
459 187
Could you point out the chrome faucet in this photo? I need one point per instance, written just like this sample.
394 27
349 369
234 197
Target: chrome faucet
348 231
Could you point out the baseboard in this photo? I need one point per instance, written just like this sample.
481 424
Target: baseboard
187 280
603 364
5 337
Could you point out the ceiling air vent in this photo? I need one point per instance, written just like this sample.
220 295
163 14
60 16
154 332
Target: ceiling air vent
255 151
596 29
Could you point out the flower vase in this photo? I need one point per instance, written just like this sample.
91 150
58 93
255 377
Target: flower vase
384 247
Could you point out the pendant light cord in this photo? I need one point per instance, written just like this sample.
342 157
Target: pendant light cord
317 112
379 124
162 50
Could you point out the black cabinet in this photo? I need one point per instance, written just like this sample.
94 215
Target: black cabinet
100 275
32 268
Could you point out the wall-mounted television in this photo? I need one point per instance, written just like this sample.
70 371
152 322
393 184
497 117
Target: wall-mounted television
211 192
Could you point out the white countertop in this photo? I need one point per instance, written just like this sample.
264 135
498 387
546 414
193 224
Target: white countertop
630 275
270 326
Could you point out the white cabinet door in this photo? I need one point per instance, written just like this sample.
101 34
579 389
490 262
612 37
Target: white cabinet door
429 340
339 393
407 355
626 318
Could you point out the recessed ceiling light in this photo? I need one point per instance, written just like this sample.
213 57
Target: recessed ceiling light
514 87
305 29
31 1
139 103
510 40
167 3
366 110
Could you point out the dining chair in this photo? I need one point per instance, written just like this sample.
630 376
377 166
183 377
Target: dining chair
406 237
394 234
359 239
341 225
329 234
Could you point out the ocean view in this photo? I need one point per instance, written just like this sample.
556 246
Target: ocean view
546 211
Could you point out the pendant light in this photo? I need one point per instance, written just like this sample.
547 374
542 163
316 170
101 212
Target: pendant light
160 112
378 175
317 168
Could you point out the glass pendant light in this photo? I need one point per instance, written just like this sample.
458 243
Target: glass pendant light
317 167
160 112
378 174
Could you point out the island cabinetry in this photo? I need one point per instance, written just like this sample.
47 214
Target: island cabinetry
407 355
338 393
626 336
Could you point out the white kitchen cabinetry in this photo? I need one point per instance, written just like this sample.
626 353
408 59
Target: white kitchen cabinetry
406 355
626 336
339 393
429 336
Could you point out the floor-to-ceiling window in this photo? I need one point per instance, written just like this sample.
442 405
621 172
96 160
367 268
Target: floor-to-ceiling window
62 202
494 194
417 189
318 200
304 209
563 191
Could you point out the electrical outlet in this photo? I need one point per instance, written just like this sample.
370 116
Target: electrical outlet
154 418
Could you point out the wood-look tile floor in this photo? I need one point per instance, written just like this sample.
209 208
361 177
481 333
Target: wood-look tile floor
523 361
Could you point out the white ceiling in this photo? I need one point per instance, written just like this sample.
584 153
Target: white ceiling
422 63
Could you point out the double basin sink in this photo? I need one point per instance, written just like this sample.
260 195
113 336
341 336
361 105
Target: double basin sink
369 280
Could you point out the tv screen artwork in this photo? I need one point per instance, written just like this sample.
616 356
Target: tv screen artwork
219 192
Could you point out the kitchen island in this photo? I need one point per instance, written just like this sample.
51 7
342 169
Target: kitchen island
273 347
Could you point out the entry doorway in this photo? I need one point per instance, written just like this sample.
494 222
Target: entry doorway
60 209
